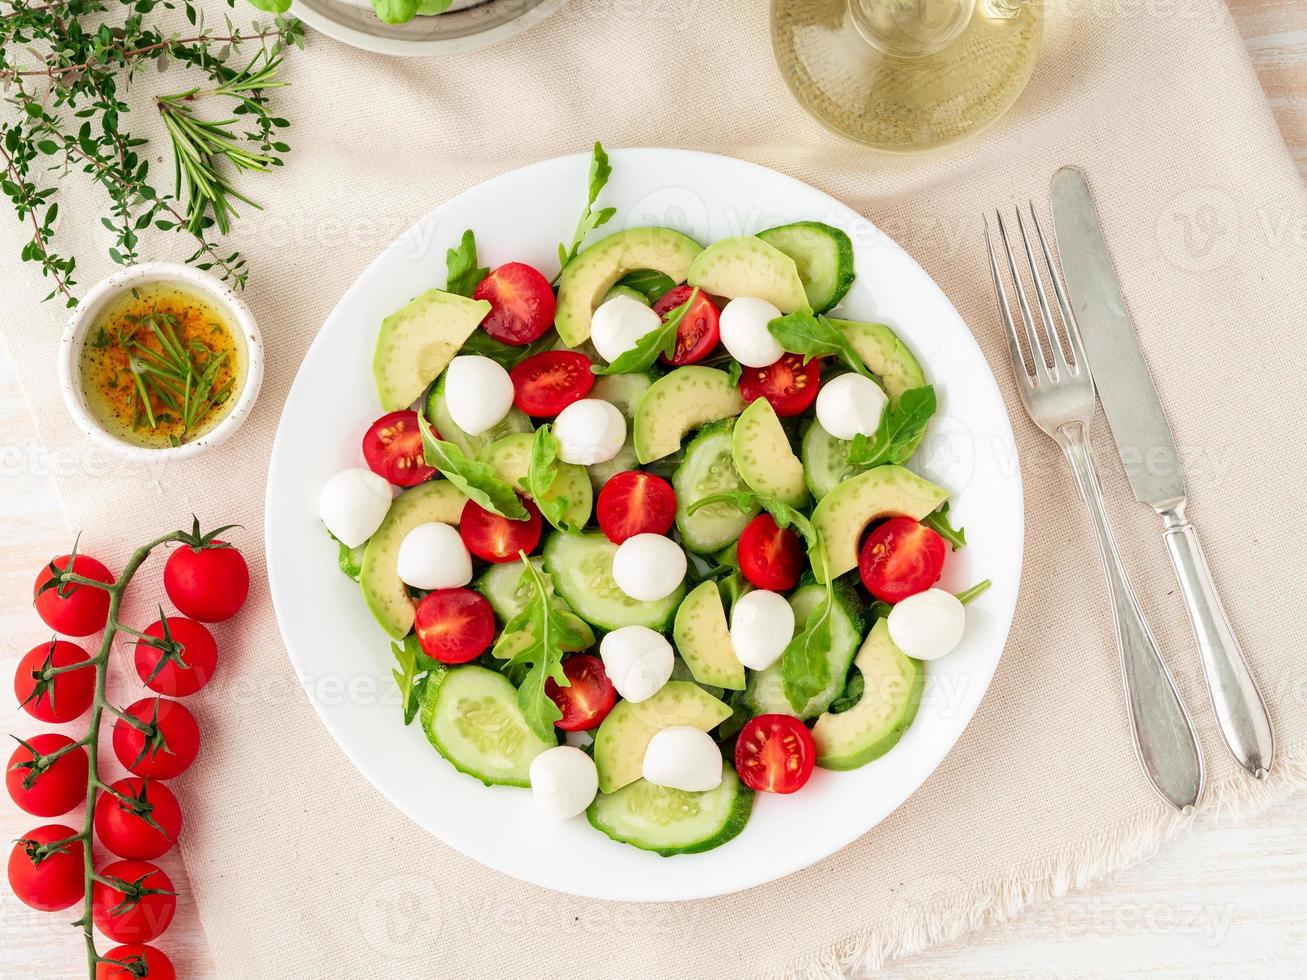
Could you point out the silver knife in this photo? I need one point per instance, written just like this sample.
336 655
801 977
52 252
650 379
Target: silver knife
1143 438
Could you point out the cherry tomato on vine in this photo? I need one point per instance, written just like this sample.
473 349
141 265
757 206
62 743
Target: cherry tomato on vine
52 881
156 965
454 625
392 447
184 665
123 821
589 698
206 579
167 746
55 790
64 696
634 502
546 383
699 330
498 539
899 558
771 557
70 608
137 910
775 754
789 384
521 303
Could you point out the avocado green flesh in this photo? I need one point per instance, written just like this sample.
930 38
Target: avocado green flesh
417 341
511 458
671 821
763 457
703 639
625 733
748 266
678 402
885 355
823 255
436 501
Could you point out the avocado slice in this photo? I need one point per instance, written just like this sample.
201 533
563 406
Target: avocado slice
885 355
511 457
892 687
763 457
418 340
748 266
843 514
679 401
704 640
625 733
585 280
437 501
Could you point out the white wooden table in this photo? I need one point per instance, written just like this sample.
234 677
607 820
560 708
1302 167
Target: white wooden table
1227 901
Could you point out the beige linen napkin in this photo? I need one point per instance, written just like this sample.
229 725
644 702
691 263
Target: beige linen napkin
301 869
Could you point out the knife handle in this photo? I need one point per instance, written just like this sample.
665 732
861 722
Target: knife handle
1238 704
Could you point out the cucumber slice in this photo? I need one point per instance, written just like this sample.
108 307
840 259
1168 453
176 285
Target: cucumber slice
470 715
762 455
825 460
766 691
507 594
704 640
440 419
708 468
625 392
823 255
672 821
581 566
511 457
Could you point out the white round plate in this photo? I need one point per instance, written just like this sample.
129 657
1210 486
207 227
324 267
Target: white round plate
344 659
468 25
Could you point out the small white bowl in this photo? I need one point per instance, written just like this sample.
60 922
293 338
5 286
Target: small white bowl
105 293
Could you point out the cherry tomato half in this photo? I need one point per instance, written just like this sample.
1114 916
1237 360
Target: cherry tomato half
208 583
167 746
56 880
789 384
57 789
70 609
137 911
392 447
521 303
698 332
771 557
185 666
900 558
775 754
62 697
634 502
157 966
121 821
497 539
546 383
590 697
454 625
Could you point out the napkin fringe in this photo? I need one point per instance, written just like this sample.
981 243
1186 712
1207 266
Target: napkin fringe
947 913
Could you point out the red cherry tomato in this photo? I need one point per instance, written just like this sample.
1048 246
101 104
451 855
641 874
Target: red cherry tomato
55 790
771 557
71 609
62 697
121 824
789 384
52 881
900 558
699 330
138 910
521 303
497 539
156 965
185 665
454 625
546 383
167 746
392 447
590 697
208 583
775 754
634 502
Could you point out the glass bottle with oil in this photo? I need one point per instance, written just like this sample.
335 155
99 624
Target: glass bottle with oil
906 75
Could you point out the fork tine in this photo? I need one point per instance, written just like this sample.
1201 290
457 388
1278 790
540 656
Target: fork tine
1060 366
1027 320
1005 310
1068 318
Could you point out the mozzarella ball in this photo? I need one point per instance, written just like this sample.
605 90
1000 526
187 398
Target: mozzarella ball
649 567
579 740
637 660
849 405
433 556
564 782
618 324
762 623
478 393
590 431
352 504
744 331
928 625
682 757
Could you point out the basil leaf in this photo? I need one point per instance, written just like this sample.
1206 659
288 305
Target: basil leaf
476 479
901 425
660 340
815 336
591 219
938 522
542 471
396 11
430 8
462 274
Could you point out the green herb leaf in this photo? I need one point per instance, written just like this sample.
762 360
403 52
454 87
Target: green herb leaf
852 694
734 370
977 590
815 336
542 471
660 340
938 522
901 426
591 219
505 355
396 11
462 274
476 479
650 283
411 677
782 513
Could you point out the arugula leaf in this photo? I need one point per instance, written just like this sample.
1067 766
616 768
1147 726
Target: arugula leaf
733 372
591 219
476 479
938 522
542 471
650 283
660 340
900 427
853 691
505 355
815 336
544 620
782 513
974 592
412 675
462 274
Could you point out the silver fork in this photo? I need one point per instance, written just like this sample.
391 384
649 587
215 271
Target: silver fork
1060 398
